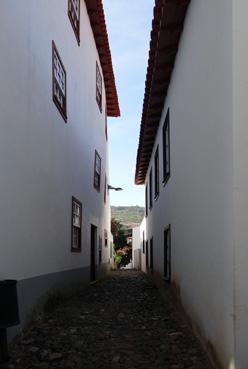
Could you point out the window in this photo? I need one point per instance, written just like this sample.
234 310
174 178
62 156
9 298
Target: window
166 148
150 189
105 238
74 15
156 169
59 83
105 189
76 225
97 171
98 87
167 253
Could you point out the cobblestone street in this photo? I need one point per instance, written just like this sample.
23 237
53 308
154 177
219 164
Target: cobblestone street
118 323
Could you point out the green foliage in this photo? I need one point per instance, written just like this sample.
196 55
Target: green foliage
117 258
126 257
115 226
128 214
120 240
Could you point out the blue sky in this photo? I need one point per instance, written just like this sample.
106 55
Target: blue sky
129 26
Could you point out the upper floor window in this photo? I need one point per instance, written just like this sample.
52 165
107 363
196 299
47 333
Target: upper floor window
74 15
98 87
97 171
166 148
76 225
156 169
59 83
150 189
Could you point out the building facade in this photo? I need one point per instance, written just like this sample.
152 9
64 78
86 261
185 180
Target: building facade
57 90
192 159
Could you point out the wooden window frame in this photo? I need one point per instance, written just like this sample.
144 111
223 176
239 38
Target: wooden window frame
76 30
62 110
150 190
167 253
156 173
74 249
97 187
98 92
166 148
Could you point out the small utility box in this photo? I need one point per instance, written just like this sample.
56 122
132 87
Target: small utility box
9 313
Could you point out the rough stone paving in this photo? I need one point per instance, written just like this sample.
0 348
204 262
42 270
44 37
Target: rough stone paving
120 322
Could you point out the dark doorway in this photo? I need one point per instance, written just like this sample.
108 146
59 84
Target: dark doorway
147 256
100 251
93 242
151 254
167 254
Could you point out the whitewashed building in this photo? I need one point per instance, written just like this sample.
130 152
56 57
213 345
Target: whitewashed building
192 158
57 88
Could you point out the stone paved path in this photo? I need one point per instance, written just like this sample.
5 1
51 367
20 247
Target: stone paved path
119 323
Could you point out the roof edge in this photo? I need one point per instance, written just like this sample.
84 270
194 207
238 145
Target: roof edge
98 24
167 25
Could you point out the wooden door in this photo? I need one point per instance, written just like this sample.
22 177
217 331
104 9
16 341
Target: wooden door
93 242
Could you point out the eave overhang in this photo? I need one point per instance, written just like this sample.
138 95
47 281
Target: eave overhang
98 24
167 26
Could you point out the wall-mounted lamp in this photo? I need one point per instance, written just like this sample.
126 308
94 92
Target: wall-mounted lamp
114 188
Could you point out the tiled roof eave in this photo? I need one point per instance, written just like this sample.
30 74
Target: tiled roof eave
167 26
98 24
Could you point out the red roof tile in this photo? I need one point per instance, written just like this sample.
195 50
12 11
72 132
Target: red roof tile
167 26
98 24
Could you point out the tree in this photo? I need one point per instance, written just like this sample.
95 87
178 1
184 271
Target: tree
115 226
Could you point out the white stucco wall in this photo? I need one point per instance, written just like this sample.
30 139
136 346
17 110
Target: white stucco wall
198 198
240 118
43 161
136 238
138 233
136 248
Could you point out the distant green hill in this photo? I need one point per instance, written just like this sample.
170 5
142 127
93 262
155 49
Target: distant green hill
128 215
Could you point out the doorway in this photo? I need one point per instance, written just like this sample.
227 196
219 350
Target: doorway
151 254
147 260
93 243
167 254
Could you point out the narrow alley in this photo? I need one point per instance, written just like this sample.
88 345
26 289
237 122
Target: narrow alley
120 322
